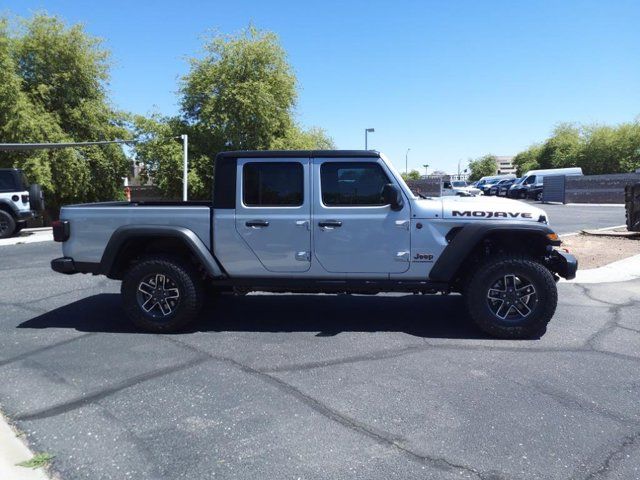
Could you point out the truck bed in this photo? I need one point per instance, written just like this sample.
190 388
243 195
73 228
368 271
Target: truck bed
92 224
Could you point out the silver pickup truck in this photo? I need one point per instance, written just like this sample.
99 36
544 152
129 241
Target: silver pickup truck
319 221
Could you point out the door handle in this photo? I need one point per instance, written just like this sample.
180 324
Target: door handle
257 223
330 224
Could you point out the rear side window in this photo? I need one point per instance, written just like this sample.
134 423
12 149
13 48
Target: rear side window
272 184
7 182
352 184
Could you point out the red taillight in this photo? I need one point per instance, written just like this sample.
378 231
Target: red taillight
60 230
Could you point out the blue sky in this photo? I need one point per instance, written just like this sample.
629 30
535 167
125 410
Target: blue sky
449 79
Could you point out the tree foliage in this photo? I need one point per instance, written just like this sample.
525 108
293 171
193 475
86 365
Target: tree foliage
482 167
412 175
240 95
597 149
53 81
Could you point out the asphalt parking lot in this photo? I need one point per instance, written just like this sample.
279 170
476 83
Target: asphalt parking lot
310 387
573 218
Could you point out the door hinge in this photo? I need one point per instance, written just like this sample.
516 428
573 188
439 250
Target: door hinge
303 256
403 256
403 224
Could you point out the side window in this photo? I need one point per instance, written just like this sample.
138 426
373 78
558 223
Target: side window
7 184
352 184
272 184
531 180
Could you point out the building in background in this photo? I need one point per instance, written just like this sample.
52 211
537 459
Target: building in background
504 165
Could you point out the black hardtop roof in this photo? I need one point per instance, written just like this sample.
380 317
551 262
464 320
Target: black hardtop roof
298 153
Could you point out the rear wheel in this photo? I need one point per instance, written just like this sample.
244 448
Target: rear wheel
539 196
7 224
162 294
511 297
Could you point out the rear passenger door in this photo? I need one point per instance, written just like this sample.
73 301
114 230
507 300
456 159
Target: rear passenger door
273 211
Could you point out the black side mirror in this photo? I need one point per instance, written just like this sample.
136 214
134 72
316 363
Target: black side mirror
391 195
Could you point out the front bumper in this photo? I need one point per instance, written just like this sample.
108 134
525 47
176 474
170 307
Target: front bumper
564 264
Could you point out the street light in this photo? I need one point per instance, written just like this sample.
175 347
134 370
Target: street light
366 132
426 168
185 164
406 162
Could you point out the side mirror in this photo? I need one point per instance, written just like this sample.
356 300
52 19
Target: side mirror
391 195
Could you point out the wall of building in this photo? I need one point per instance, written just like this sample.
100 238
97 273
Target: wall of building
598 188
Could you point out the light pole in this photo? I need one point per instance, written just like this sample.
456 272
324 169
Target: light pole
185 164
406 162
366 132
426 168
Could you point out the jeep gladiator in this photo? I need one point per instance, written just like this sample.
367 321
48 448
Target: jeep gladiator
319 221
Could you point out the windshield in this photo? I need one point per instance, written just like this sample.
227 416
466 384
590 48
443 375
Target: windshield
518 180
493 181
459 184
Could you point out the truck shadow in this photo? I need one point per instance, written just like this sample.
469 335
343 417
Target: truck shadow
422 316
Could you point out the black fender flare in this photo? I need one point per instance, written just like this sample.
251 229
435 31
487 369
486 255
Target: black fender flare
11 207
468 237
130 232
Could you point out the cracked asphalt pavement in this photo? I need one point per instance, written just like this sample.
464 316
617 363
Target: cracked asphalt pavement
317 386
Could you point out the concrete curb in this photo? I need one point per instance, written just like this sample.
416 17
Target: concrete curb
619 271
13 451
29 235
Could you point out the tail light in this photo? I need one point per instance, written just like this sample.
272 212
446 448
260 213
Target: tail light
61 230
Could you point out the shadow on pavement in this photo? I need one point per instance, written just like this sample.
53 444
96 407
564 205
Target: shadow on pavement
423 316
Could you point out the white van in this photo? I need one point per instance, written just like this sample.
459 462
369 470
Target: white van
531 184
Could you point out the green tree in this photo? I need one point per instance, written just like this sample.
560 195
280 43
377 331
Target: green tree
412 175
482 167
527 160
562 149
53 79
239 96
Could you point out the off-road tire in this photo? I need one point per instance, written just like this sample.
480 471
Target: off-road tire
7 224
186 281
483 279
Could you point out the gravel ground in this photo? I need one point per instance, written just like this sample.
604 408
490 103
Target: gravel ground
595 251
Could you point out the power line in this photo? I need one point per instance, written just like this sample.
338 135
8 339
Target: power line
44 146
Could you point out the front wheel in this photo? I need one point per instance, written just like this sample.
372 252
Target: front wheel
162 294
511 297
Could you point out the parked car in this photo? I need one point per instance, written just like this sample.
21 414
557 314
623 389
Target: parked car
319 221
503 184
485 183
532 182
19 201
459 188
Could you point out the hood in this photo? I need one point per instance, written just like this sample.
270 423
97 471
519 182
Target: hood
490 208
478 208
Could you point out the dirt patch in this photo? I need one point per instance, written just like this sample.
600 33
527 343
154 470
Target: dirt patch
596 251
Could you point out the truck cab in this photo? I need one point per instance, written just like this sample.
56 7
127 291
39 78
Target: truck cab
317 221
